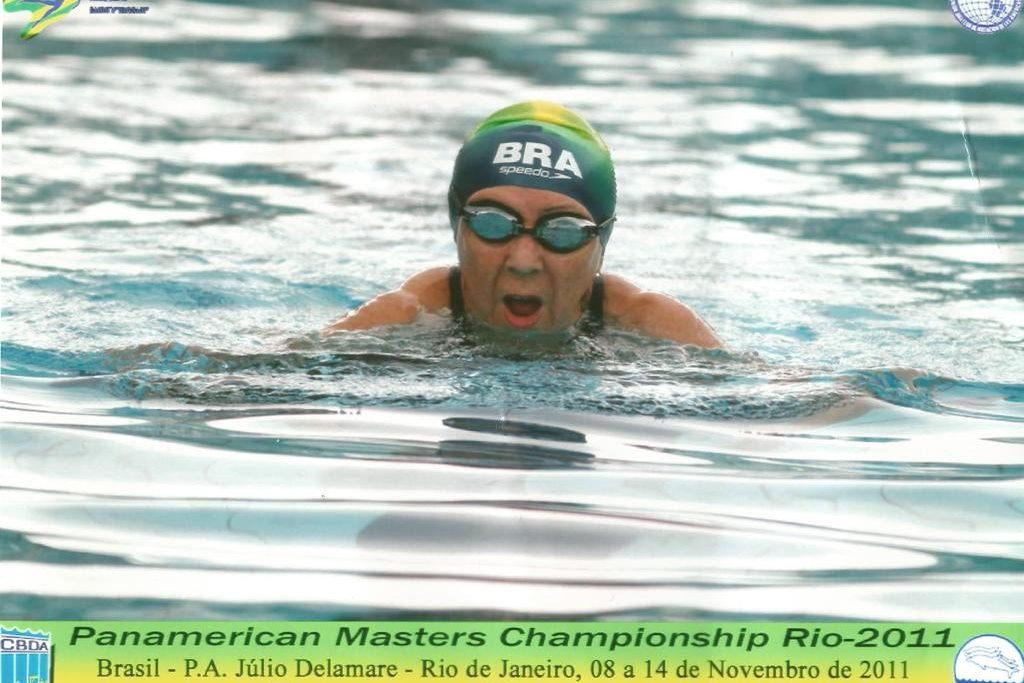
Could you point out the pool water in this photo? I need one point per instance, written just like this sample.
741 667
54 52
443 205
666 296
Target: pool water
189 196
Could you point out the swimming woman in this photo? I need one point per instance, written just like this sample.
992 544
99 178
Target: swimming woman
532 206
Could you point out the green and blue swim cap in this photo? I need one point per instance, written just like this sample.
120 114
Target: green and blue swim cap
536 144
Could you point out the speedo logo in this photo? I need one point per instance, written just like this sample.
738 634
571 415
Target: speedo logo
535 158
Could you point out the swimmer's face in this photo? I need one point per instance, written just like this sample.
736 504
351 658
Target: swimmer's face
519 284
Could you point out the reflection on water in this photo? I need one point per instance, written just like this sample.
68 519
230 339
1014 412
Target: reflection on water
188 198
323 512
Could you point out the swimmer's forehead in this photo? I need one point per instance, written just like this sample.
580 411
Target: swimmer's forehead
514 199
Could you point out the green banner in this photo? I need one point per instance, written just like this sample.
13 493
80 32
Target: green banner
464 652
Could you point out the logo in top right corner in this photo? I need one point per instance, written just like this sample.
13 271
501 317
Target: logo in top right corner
985 16
989 659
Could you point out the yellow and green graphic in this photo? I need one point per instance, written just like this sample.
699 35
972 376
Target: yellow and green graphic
44 13
523 652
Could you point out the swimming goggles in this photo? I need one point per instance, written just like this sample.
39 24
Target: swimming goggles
560 234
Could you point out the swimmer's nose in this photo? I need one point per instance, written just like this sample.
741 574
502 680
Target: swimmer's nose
524 255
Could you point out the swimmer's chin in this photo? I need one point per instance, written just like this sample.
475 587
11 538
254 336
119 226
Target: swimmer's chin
522 323
506 331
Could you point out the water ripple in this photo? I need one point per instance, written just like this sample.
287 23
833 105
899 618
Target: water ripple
180 443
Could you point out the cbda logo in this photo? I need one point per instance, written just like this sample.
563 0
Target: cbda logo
24 656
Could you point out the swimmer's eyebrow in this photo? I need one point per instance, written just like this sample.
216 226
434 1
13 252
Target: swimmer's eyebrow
553 212
494 203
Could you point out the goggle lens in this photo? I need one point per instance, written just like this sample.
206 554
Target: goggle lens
491 225
565 233
560 234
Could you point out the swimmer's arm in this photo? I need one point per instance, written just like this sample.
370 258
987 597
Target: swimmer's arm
427 291
396 307
657 315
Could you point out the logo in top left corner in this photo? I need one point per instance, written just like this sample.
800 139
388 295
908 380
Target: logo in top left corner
25 656
44 13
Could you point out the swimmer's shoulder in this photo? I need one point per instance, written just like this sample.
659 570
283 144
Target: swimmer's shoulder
430 288
424 292
655 314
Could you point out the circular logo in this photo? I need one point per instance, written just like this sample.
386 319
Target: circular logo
985 16
989 659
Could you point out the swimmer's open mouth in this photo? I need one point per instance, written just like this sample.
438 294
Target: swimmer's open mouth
522 306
